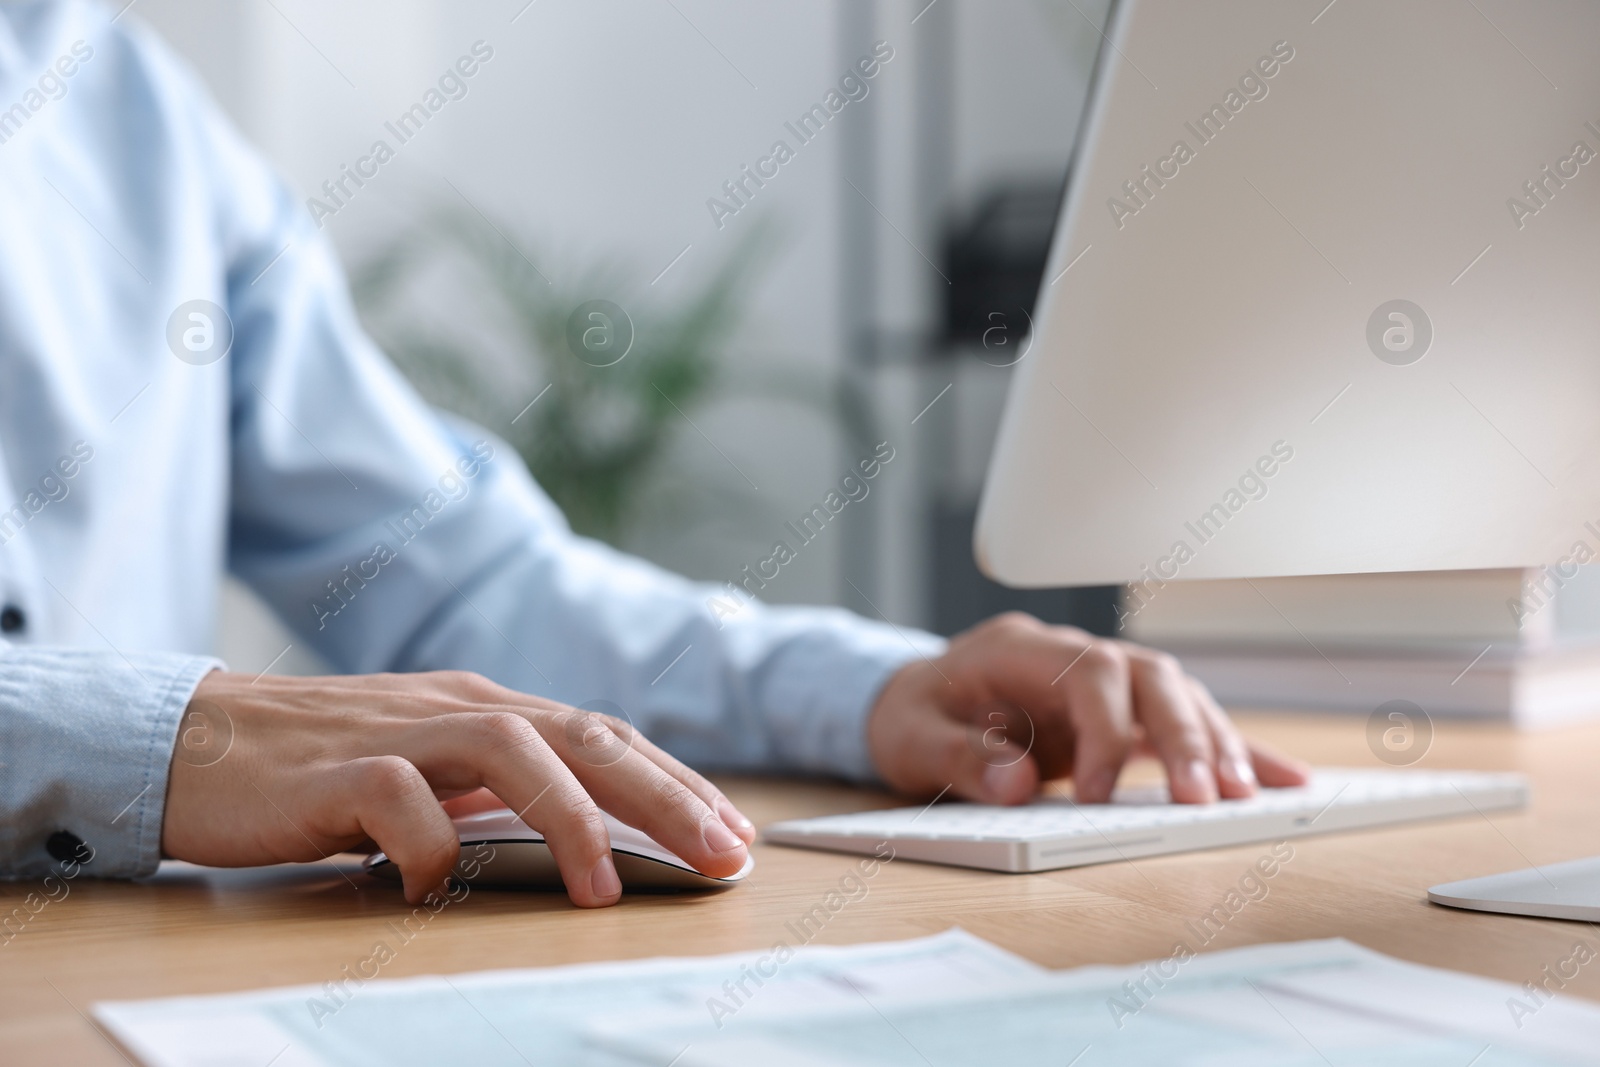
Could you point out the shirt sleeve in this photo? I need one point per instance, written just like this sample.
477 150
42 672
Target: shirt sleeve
87 738
393 539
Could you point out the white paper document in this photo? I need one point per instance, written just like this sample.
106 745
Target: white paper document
1313 1003
538 1016
946 1000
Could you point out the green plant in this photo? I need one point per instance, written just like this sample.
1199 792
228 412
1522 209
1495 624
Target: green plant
494 336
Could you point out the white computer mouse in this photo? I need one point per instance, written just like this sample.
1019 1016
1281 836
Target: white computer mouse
499 849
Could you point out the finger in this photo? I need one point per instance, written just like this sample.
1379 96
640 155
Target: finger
582 729
1236 777
1078 686
1099 704
470 803
945 757
1276 770
713 797
1253 762
501 750
390 801
639 792
1165 706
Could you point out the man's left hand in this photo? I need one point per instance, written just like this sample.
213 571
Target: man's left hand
1014 702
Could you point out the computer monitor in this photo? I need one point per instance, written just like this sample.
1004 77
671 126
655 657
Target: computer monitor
1323 297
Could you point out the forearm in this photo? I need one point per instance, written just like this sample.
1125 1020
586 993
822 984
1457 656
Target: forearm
760 688
494 581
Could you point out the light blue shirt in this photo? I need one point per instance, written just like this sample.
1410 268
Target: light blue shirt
388 538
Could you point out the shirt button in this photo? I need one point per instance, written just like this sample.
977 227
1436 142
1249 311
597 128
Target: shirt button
66 846
12 619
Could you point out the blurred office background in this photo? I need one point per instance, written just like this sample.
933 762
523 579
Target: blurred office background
887 267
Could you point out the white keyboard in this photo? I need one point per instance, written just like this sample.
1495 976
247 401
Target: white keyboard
1055 832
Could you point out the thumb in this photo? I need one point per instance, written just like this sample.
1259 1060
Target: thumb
969 761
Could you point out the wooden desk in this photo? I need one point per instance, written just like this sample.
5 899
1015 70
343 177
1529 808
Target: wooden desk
301 925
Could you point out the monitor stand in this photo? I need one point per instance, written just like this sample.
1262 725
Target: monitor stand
1568 890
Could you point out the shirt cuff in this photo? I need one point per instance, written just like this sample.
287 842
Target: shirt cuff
89 737
824 686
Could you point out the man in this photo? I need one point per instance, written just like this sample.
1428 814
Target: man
184 388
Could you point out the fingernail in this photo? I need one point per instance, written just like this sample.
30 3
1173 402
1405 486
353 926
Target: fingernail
1097 786
719 838
1239 770
1199 779
604 880
735 819
997 782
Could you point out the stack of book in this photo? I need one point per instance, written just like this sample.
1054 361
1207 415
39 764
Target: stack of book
1513 645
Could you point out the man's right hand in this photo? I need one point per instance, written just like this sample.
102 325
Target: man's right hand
314 766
